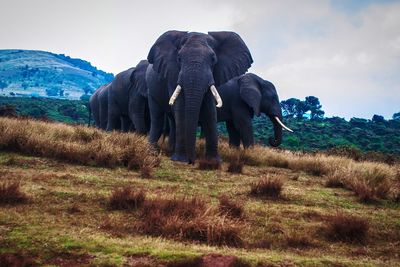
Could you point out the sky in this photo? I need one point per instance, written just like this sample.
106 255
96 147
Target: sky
345 52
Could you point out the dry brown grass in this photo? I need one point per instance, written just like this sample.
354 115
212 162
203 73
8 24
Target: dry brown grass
297 239
347 228
126 199
10 193
76 144
267 187
230 207
188 219
15 260
369 181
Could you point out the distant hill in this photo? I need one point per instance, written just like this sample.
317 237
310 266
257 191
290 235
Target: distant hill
44 74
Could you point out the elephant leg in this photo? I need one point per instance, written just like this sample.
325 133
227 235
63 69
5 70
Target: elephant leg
125 123
180 149
234 135
113 122
147 119
157 122
171 134
137 110
245 126
103 117
140 123
209 124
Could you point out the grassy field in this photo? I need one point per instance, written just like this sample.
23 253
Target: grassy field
72 195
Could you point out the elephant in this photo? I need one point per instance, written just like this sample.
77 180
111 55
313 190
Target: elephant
98 105
244 97
127 101
185 69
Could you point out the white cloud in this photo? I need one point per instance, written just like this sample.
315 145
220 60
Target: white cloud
311 48
350 59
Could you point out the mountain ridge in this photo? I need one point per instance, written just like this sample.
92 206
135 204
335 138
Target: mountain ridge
46 74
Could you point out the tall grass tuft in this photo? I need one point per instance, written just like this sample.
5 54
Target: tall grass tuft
126 199
75 144
267 187
188 219
347 228
10 193
229 207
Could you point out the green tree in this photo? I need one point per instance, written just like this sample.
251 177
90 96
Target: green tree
300 109
87 89
396 116
289 107
378 118
314 106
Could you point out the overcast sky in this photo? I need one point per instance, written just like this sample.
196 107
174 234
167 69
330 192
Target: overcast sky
345 52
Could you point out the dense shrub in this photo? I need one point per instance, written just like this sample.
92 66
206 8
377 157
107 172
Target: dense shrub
126 198
10 193
268 187
347 228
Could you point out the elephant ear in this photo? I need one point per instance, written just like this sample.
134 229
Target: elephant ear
138 77
234 57
250 92
163 54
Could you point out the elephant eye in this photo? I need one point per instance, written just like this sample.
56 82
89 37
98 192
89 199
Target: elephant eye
214 59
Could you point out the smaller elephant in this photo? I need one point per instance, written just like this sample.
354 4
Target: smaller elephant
98 104
244 96
128 107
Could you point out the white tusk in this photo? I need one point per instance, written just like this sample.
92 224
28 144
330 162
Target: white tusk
216 96
175 95
283 125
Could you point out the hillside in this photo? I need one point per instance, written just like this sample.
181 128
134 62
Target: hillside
325 133
39 73
72 196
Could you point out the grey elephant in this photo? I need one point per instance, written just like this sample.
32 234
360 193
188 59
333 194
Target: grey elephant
244 97
186 68
98 105
127 101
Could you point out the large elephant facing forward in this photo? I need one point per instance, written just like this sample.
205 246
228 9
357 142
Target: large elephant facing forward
127 101
244 97
186 68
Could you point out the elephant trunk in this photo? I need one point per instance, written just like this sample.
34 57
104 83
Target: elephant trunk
277 139
193 101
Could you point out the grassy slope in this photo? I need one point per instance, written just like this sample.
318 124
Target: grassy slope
29 71
68 211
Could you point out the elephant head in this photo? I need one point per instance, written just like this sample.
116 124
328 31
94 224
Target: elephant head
138 78
138 94
194 64
262 97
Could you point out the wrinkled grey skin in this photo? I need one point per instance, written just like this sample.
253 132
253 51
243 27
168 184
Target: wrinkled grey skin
127 101
195 61
244 97
98 104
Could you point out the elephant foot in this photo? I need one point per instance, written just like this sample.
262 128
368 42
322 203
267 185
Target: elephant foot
179 157
214 157
155 148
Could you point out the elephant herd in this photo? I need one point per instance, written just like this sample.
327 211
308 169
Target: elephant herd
188 80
